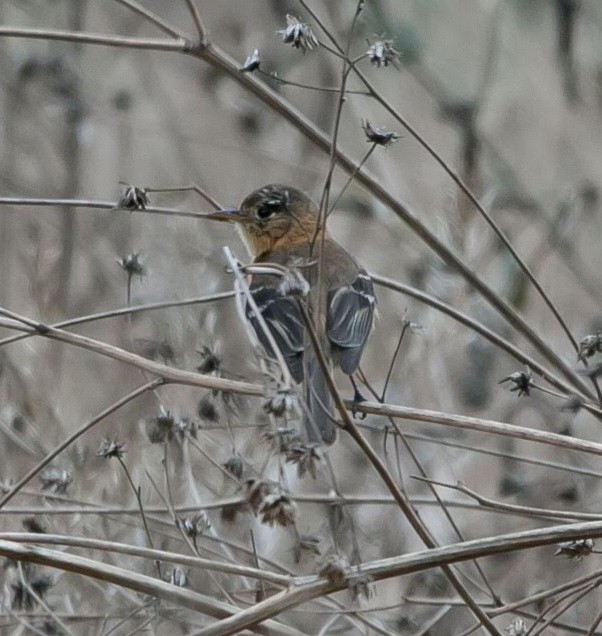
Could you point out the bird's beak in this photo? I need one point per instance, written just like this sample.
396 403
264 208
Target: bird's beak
230 215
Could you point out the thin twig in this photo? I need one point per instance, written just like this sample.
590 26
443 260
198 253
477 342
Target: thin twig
153 18
69 440
477 424
198 22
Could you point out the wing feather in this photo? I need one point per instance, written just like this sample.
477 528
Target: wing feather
349 320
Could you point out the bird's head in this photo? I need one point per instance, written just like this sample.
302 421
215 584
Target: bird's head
273 217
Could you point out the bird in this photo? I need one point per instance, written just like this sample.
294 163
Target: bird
280 224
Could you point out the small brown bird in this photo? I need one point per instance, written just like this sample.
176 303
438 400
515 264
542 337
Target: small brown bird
278 224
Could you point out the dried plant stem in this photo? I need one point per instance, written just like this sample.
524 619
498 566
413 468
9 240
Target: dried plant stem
168 374
97 205
308 588
151 17
193 187
477 424
137 494
523 510
198 22
127 311
149 386
134 581
158 44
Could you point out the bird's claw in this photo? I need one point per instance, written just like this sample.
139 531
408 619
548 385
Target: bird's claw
358 398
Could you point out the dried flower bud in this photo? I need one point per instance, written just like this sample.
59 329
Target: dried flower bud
298 34
281 403
133 265
251 63
31 524
521 381
306 456
133 198
335 569
161 428
517 627
589 346
292 283
210 362
109 449
194 526
177 576
379 136
234 466
282 438
207 408
278 508
184 426
575 549
28 588
382 53
55 480
257 490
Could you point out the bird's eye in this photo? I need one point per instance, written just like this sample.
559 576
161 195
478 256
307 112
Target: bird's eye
268 208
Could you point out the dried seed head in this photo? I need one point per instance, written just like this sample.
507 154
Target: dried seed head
575 549
521 381
589 346
133 198
382 53
133 265
306 456
109 449
210 362
31 524
177 576
335 569
184 426
257 490
282 438
283 402
161 428
379 136
55 480
278 508
517 627
298 34
251 63
207 408
194 526
234 466
25 589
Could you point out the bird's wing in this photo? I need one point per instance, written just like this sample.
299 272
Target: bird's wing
349 320
283 319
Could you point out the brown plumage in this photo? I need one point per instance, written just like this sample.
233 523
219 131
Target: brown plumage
278 225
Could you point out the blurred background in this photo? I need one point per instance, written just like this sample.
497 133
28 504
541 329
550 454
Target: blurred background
508 92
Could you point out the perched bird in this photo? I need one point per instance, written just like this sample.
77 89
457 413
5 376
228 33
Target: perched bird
279 224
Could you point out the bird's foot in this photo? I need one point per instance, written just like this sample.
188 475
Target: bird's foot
358 398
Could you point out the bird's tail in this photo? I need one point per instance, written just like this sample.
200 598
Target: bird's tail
318 416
